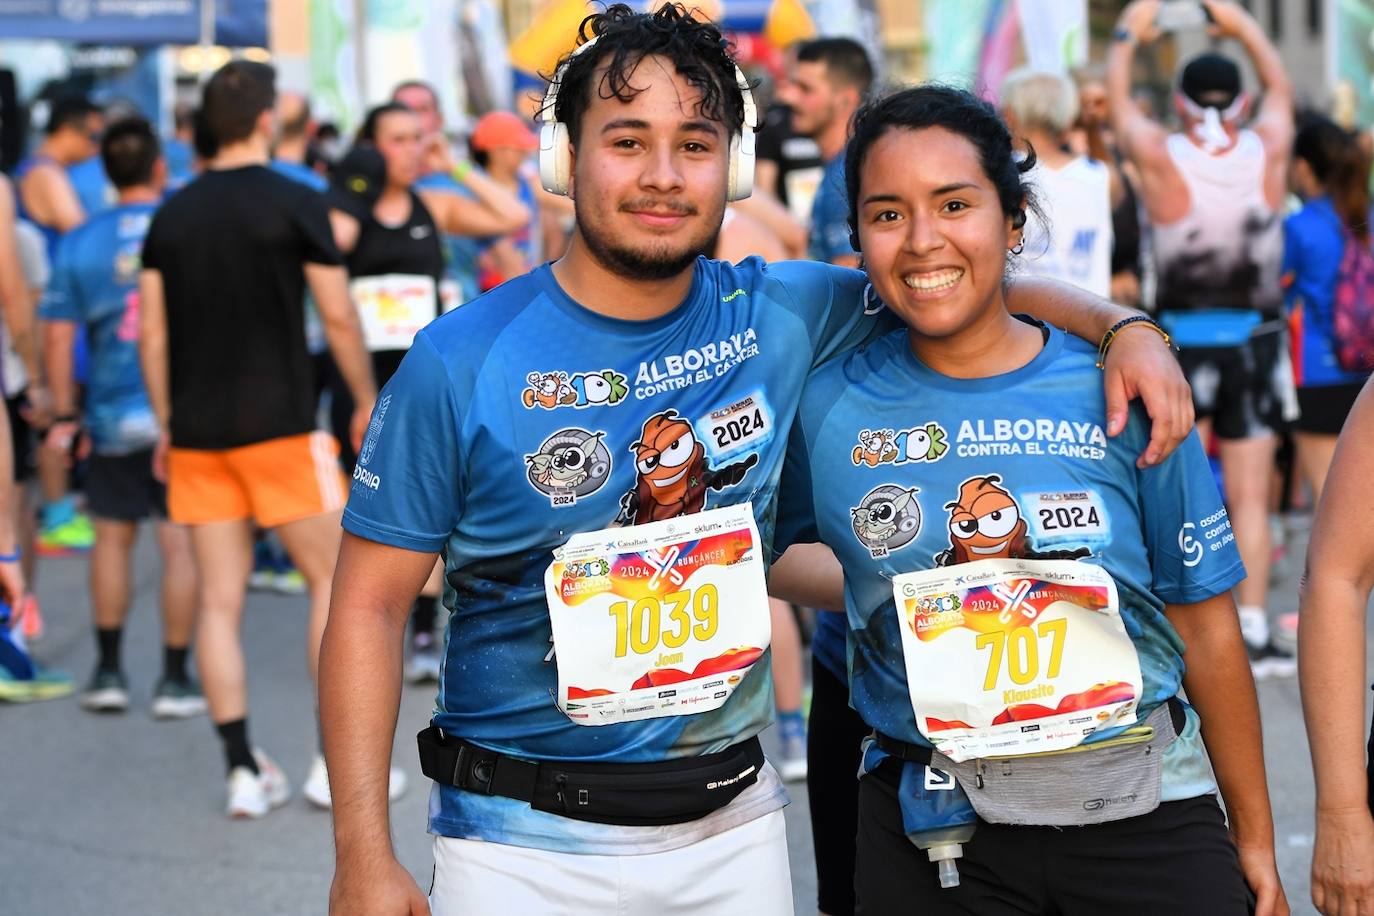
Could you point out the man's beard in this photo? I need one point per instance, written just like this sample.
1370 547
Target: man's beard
634 264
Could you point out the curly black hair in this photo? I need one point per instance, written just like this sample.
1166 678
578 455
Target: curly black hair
696 48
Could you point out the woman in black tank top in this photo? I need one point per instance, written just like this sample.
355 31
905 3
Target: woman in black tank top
390 236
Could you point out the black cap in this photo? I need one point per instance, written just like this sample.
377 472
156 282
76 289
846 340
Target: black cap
1211 80
357 181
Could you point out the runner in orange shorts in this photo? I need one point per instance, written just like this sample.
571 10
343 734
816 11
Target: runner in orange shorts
224 354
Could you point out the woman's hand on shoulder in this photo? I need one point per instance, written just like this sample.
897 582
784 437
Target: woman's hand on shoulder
1141 365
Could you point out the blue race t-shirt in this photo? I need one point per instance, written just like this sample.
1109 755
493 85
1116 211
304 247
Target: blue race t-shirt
525 378
1313 246
95 284
300 172
92 186
180 159
829 237
879 423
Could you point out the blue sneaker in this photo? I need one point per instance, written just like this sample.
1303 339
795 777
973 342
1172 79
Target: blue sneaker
45 684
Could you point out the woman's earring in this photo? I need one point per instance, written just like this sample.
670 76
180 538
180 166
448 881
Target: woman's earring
1018 247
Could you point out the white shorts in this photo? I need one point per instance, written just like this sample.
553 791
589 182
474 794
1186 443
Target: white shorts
743 870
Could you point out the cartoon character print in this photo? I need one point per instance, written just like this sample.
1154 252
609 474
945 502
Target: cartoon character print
571 463
887 446
887 519
551 390
985 523
547 390
875 447
673 473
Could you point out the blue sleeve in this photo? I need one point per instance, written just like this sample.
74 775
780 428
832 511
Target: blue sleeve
1188 534
1292 255
408 485
796 519
62 298
830 221
835 303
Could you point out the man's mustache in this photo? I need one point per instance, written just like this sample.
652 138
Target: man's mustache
681 208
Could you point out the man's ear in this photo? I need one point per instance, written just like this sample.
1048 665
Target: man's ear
266 125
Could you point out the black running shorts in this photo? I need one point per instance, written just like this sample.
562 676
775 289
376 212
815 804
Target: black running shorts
1246 391
1323 410
122 488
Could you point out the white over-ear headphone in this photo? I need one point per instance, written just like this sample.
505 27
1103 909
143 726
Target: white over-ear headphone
555 155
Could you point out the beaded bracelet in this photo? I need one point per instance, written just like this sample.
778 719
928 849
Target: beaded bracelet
1122 325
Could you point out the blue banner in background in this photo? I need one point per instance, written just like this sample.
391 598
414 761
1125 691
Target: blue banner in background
238 23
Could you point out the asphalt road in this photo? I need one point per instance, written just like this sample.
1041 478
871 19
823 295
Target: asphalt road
123 815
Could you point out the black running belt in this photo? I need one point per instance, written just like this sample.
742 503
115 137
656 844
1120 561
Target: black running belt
630 794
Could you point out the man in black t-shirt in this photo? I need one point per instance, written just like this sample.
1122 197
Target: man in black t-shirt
222 341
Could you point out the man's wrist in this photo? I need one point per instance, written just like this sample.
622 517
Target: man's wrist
358 850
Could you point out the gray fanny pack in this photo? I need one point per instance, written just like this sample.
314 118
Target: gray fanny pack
1089 784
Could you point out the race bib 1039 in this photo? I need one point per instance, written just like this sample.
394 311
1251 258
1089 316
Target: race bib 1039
662 619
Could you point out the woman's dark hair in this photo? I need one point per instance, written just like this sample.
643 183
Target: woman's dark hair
368 132
1341 163
624 38
959 112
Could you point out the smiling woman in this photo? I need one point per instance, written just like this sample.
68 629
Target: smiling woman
1040 602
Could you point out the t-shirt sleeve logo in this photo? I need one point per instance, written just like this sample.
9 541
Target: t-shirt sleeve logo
374 430
551 390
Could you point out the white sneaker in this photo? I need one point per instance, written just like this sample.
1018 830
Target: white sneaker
423 664
316 788
791 765
252 795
